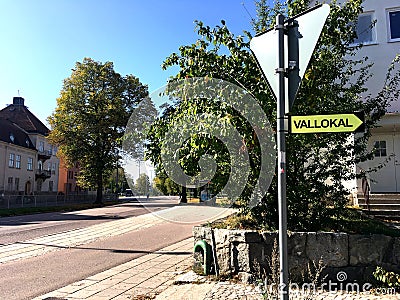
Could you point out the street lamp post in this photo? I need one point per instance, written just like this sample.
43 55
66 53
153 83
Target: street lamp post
139 175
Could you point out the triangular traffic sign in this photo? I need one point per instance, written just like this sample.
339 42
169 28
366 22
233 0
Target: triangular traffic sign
265 49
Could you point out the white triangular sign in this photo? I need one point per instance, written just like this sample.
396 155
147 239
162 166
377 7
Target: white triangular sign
265 45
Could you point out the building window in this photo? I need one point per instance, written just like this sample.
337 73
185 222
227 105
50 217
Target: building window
380 149
11 160
54 150
16 184
18 161
365 29
70 174
41 146
394 25
30 164
10 183
53 168
51 186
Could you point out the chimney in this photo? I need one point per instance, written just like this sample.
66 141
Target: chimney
18 101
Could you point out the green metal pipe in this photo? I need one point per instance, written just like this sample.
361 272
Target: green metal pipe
203 247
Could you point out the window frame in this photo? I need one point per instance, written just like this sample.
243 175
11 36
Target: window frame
381 149
41 146
11 160
374 38
29 165
18 161
10 181
16 183
388 27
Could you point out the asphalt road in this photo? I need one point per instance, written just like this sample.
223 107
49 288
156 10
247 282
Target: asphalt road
30 277
21 228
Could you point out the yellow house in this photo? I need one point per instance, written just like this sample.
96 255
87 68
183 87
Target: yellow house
28 163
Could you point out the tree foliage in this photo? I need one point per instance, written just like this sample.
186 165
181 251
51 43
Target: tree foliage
318 164
117 181
165 185
89 121
142 185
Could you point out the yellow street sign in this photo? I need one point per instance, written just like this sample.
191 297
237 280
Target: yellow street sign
327 123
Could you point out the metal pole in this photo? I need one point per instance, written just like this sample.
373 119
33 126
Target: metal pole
282 207
116 182
138 179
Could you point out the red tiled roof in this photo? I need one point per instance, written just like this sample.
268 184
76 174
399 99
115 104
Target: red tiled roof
20 115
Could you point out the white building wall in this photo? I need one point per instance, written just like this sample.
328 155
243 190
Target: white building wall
381 51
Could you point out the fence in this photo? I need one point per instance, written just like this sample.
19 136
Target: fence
17 201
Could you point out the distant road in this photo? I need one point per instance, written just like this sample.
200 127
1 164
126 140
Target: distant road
21 228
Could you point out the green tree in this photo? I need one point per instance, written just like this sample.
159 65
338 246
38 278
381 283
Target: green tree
317 163
89 121
143 184
165 185
117 183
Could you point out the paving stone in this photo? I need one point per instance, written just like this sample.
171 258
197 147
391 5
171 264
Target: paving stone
152 283
110 292
140 291
136 280
125 296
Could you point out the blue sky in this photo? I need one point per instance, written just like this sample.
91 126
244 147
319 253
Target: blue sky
41 40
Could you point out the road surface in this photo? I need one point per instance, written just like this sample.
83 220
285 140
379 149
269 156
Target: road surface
45 252
20 228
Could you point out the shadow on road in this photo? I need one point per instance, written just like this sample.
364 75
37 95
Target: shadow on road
36 219
122 251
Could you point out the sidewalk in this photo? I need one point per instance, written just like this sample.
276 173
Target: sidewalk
153 276
148 276
165 275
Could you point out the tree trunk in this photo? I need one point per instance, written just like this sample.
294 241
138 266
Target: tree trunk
183 195
99 194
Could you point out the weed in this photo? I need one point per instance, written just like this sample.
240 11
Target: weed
389 279
269 281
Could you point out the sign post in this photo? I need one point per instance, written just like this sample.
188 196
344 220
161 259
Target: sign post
281 131
302 33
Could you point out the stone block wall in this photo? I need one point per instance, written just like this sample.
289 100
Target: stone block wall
357 255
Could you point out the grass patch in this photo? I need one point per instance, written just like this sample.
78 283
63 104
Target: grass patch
64 208
351 221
